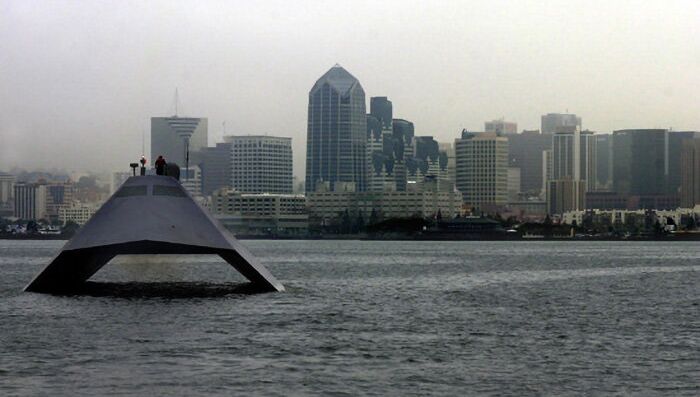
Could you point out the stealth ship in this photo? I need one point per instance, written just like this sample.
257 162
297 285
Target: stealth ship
147 215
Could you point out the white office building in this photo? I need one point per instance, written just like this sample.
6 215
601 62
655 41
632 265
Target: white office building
261 163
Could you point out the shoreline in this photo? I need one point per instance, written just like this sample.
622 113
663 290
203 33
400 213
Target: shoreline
668 238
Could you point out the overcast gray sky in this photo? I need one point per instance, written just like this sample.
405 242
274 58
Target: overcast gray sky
79 80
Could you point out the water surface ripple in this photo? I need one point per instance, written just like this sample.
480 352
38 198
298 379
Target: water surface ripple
362 318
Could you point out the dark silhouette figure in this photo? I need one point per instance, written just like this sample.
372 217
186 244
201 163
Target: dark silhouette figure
160 165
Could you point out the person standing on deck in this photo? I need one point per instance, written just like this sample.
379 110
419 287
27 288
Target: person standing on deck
160 165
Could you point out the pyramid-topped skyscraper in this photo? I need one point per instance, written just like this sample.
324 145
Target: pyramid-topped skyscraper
336 133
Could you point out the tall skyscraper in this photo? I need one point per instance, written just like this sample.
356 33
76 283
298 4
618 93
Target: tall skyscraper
552 121
501 127
261 164
482 169
428 164
336 131
216 164
382 109
380 146
640 162
547 171
573 169
449 150
672 167
403 132
525 152
604 160
169 134
690 173
574 155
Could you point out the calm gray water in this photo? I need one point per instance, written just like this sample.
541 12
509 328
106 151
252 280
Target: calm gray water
363 318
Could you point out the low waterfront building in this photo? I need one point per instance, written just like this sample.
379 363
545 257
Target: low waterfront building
612 200
260 213
526 209
666 217
77 212
324 207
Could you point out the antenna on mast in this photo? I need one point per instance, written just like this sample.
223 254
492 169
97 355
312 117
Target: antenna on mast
177 99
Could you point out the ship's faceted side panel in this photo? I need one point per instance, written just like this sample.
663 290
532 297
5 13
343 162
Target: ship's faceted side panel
147 215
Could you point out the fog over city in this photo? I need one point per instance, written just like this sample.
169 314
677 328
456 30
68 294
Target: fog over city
79 81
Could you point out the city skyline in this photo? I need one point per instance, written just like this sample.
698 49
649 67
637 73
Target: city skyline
63 88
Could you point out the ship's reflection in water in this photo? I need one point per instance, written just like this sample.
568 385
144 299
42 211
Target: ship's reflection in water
167 290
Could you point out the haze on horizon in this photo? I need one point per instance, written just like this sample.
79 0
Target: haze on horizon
79 81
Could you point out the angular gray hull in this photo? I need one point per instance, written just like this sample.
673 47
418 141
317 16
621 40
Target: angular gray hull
148 215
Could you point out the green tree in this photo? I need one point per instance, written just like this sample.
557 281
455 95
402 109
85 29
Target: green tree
69 228
374 217
359 223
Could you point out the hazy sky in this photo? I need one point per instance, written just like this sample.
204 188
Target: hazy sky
79 80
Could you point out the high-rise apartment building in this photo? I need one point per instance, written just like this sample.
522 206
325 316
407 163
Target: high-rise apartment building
261 164
30 201
501 127
482 169
552 121
690 173
336 131
169 134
